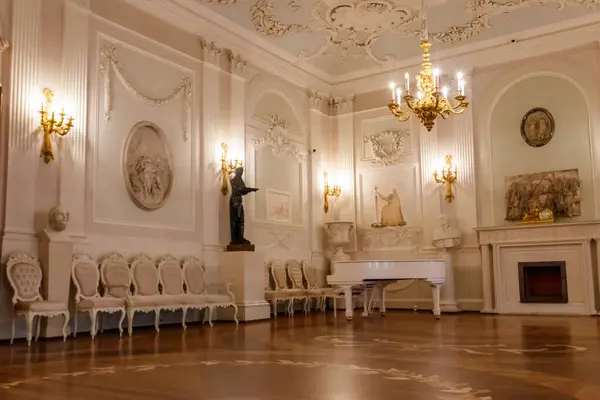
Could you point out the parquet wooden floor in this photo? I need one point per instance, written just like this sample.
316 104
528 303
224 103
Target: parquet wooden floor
404 355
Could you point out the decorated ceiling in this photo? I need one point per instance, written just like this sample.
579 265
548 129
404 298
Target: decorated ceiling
340 36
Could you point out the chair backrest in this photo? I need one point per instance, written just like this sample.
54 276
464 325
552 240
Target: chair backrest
294 271
25 277
310 275
144 276
268 286
170 275
86 276
279 274
193 275
115 276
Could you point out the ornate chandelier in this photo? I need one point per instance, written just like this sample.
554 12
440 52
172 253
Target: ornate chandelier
430 102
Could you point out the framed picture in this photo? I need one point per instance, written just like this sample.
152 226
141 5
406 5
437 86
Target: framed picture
537 127
279 206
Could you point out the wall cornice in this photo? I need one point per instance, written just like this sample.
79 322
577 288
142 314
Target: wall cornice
195 18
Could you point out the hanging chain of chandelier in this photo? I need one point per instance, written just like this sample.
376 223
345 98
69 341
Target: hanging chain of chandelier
430 101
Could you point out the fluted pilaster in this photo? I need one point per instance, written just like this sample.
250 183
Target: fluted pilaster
74 90
430 192
344 110
23 119
464 158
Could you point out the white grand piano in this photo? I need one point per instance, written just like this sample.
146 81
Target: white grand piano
373 276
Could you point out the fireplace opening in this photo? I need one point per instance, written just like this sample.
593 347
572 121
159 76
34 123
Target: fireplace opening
543 282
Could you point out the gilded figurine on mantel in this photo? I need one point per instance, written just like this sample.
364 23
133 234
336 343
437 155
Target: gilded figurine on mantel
236 213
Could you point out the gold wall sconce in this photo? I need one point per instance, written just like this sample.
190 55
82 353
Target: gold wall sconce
448 177
228 167
50 125
333 191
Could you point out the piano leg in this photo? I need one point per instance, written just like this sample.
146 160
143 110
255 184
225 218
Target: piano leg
348 301
366 302
435 288
382 304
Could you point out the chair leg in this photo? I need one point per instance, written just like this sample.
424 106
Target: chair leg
12 331
123 312
157 319
274 305
37 326
101 323
75 319
93 320
65 325
130 313
235 314
183 318
29 321
210 314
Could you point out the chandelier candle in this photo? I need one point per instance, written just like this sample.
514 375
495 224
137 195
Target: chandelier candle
429 103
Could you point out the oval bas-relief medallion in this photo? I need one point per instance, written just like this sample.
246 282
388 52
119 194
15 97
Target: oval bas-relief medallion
147 166
537 127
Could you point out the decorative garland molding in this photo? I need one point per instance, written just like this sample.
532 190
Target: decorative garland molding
342 104
81 3
315 99
278 138
399 143
108 59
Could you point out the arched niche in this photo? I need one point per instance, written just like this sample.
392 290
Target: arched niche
568 149
489 89
276 159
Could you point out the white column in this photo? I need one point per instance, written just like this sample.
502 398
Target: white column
464 159
486 277
211 161
23 120
74 91
429 188
317 166
344 111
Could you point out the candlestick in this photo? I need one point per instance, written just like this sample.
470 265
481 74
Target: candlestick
398 96
393 87
445 92
407 82
436 78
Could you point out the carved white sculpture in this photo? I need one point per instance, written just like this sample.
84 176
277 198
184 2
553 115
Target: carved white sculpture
351 28
389 146
390 214
147 166
58 219
447 237
339 236
277 137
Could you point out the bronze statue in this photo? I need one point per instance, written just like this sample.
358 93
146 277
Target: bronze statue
236 213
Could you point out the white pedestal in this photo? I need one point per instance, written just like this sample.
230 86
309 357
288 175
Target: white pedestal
56 255
448 293
245 270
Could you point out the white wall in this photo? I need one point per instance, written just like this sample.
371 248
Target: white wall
568 149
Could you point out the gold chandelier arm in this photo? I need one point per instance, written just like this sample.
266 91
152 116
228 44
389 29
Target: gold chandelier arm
402 113
460 107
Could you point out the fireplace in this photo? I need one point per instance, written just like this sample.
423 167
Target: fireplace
543 282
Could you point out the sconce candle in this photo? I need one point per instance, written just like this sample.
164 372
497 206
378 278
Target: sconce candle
333 191
50 125
448 177
228 167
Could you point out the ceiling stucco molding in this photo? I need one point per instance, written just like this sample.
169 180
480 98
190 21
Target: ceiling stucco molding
560 37
351 28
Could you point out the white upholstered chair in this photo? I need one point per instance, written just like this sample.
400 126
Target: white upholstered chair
273 296
172 288
197 289
297 291
116 280
86 279
310 275
279 275
25 278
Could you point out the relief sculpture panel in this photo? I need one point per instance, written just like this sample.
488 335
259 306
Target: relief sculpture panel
147 166
559 191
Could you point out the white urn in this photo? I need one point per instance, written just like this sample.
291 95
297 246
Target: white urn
339 236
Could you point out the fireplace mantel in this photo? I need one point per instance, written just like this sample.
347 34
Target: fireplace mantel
503 247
